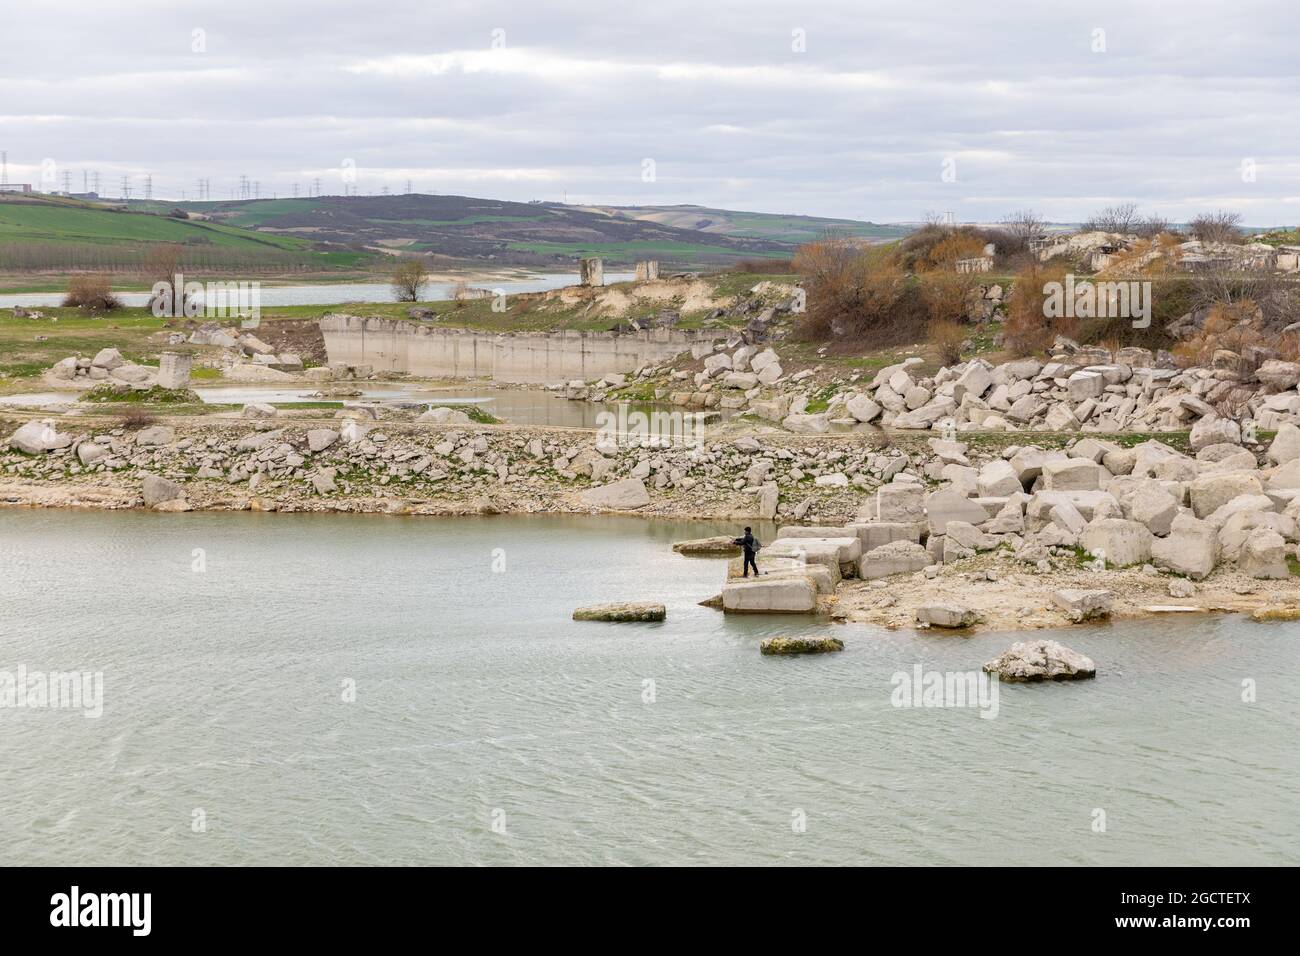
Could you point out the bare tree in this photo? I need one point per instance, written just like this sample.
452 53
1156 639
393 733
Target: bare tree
1022 226
1122 218
409 278
1151 226
1220 226
163 263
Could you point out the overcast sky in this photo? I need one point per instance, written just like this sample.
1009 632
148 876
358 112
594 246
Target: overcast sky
827 107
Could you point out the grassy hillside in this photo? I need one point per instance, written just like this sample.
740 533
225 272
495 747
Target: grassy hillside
470 230
38 232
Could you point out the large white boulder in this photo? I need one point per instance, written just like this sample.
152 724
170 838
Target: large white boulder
1192 548
1213 430
35 438
626 495
157 490
1073 474
1263 555
898 557
1210 492
1084 605
1152 506
1285 446
943 506
1120 541
1041 660
778 595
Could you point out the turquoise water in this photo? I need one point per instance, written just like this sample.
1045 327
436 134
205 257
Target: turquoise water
489 728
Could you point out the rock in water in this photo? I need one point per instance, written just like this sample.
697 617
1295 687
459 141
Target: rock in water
1041 660
630 611
801 645
723 544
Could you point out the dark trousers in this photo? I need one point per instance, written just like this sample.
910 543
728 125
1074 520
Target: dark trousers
750 563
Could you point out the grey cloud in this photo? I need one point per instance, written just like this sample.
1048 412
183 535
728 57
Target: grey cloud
858 125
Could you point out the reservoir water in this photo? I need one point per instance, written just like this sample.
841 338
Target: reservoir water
535 407
337 293
303 689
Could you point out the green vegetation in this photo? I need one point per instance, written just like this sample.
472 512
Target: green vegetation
154 395
476 413
821 400
44 233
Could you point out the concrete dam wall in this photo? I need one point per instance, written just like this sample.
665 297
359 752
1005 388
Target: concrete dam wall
525 357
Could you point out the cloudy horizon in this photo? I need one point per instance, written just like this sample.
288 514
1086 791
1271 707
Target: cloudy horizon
849 110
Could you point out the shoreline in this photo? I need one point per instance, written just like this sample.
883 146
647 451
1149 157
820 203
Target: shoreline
399 468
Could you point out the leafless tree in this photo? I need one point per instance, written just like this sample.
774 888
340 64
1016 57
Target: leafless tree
409 278
1220 226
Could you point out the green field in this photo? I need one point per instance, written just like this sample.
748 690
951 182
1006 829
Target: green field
53 235
41 222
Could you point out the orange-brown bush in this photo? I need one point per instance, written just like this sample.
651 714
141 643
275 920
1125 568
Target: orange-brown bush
946 338
945 294
1028 330
959 245
92 293
852 289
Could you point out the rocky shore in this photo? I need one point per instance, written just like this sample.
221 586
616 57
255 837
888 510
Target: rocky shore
894 529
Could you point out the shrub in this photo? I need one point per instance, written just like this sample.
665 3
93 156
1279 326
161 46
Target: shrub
92 293
945 294
852 289
947 337
959 245
136 420
1028 330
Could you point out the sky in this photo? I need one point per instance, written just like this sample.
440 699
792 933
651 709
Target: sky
859 110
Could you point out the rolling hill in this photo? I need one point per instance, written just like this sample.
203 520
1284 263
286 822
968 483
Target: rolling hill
466 228
354 232
40 232
754 225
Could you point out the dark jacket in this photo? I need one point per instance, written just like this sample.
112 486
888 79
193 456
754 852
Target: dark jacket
749 543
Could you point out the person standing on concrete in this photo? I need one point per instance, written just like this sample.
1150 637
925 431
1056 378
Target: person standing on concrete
750 545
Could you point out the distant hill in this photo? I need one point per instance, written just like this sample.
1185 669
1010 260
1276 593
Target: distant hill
754 225
50 232
464 228
353 232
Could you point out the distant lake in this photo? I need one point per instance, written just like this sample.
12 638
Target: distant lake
338 293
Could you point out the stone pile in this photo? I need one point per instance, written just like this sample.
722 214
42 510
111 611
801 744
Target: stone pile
107 365
1078 389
